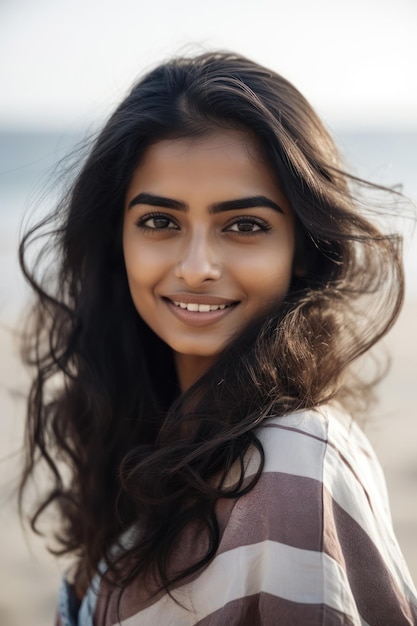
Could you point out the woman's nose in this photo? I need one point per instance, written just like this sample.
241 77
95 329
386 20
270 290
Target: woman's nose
198 262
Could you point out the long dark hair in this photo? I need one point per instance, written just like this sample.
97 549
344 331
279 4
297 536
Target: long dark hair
105 413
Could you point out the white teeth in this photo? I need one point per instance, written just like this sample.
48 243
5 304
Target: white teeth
201 308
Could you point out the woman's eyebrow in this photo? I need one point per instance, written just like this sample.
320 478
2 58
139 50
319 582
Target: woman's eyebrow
245 203
152 200
250 202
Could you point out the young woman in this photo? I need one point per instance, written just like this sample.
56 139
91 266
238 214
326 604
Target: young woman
216 280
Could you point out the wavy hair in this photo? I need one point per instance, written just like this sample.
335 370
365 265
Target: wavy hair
123 446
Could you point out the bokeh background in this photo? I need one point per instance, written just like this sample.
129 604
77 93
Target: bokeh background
66 64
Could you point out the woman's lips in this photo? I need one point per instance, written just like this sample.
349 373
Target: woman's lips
199 311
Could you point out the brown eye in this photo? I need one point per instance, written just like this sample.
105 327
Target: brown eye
157 222
248 226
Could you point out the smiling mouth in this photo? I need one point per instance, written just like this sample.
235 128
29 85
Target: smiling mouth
200 313
200 308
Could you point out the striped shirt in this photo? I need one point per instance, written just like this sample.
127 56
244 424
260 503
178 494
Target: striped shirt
311 544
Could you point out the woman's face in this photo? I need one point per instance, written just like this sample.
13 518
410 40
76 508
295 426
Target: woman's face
208 240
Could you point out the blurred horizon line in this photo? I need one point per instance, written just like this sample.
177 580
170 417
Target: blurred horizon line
92 127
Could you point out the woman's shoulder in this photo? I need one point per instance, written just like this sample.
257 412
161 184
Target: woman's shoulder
308 442
321 508
327 423
314 442
314 461
323 458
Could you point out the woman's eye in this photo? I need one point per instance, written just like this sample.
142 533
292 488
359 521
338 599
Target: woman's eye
157 222
248 226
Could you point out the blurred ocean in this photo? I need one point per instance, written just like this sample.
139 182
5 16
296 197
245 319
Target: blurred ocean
28 159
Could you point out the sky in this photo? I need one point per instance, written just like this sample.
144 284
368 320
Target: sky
67 63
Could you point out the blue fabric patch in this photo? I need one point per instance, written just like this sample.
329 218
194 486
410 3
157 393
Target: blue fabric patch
68 609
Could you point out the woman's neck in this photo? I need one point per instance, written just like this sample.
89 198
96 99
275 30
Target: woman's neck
191 368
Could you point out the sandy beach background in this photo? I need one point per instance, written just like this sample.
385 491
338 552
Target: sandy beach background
29 577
